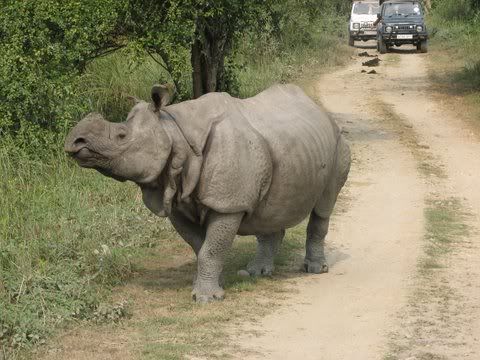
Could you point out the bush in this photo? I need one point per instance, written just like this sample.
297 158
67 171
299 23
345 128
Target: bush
454 9
456 28
45 45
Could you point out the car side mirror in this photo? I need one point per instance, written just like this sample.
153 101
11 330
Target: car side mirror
379 16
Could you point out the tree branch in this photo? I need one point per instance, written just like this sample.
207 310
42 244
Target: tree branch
158 62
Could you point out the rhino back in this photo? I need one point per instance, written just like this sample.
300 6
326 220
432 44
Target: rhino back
302 141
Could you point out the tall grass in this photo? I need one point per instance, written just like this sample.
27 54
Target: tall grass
66 235
110 80
292 56
457 35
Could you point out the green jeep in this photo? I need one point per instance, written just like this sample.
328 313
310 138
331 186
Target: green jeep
401 22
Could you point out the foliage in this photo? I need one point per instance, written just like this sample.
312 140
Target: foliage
107 81
45 45
165 31
457 28
455 9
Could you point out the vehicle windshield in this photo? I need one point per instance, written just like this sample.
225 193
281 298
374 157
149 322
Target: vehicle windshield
408 9
365 9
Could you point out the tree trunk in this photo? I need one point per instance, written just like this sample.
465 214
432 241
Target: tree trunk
197 78
208 54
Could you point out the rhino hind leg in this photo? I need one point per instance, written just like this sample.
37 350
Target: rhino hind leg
315 261
267 247
317 229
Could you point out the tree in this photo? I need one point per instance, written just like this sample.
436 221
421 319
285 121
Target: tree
205 29
217 25
44 46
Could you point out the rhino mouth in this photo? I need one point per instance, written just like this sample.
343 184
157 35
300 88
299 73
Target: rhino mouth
81 154
90 159
86 157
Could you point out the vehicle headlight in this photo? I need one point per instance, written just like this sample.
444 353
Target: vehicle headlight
419 28
388 29
356 26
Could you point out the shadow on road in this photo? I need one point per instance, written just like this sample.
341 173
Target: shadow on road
366 46
403 51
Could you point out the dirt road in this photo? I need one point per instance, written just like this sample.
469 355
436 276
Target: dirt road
404 280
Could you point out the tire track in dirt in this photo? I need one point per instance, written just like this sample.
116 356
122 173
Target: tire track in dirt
443 320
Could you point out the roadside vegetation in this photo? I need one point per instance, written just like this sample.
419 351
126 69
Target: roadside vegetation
69 236
455 29
433 304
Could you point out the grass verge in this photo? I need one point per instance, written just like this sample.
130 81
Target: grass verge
426 323
432 311
455 66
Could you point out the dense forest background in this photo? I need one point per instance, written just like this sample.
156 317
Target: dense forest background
67 235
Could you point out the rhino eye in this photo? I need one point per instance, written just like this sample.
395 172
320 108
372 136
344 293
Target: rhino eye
121 134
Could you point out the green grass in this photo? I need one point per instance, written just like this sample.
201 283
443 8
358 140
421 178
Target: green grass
445 225
289 60
429 313
66 234
456 65
108 82
460 41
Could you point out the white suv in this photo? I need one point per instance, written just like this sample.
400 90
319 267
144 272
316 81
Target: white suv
362 18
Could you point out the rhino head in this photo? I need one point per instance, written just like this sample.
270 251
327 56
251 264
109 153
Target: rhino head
136 150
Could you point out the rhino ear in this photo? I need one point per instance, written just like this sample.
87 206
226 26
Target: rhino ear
161 95
133 99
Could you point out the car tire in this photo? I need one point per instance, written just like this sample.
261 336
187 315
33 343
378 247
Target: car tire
351 41
382 47
422 46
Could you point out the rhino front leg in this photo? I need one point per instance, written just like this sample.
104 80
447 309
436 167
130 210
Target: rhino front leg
267 248
317 229
192 233
221 231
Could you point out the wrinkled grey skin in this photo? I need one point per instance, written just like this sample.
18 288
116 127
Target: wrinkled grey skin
220 166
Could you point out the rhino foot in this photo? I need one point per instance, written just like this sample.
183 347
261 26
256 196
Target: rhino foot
207 295
260 269
315 267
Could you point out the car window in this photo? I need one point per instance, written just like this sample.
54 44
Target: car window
365 9
409 9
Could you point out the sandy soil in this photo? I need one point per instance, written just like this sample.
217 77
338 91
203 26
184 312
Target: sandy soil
366 307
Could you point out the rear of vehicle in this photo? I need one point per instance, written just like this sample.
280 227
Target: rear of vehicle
362 18
401 22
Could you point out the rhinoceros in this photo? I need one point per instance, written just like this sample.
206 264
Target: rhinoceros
219 166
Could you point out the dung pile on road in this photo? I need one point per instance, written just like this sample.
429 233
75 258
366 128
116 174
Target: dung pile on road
366 54
373 62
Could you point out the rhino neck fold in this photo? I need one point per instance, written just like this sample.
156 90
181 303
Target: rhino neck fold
182 172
